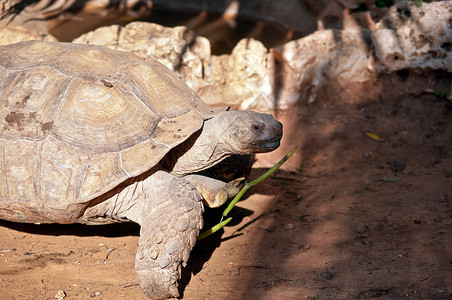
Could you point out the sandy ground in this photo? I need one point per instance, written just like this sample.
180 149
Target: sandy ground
347 217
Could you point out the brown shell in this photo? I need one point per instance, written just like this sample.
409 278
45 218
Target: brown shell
77 120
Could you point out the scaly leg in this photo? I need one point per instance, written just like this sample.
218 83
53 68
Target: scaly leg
170 224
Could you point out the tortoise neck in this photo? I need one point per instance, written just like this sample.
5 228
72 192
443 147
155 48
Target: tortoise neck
201 151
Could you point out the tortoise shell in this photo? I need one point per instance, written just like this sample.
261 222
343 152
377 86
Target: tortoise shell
77 120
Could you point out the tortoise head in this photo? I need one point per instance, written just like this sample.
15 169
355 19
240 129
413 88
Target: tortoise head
245 132
228 133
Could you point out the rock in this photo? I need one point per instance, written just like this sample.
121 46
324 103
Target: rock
60 295
322 65
95 294
246 78
414 37
171 46
68 18
17 13
326 60
289 226
15 34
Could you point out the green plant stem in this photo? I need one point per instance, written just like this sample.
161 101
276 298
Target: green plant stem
214 229
256 181
243 191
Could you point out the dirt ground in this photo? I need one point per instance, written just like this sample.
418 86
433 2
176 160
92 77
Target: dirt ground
347 217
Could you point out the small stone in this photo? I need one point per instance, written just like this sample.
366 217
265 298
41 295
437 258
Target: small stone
289 226
60 294
95 294
307 247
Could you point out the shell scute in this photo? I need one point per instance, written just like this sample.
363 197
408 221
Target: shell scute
103 173
162 90
29 55
132 158
91 62
103 119
29 102
170 131
22 170
63 169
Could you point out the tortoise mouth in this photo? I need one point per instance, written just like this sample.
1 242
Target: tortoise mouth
271 143
266 146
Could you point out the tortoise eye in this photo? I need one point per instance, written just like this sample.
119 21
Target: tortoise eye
255 127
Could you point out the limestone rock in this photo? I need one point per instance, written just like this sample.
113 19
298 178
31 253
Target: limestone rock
246 77
168 45
15 34
414 37
68 18
326 59
323 64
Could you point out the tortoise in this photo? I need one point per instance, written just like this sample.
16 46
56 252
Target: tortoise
93 135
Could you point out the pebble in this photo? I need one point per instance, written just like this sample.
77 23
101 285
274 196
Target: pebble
60 294
95 294
289 226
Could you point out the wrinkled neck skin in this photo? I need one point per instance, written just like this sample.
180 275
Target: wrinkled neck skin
207 150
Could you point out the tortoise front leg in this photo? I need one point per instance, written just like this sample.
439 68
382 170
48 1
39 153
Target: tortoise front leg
169 210
170 223
214 192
